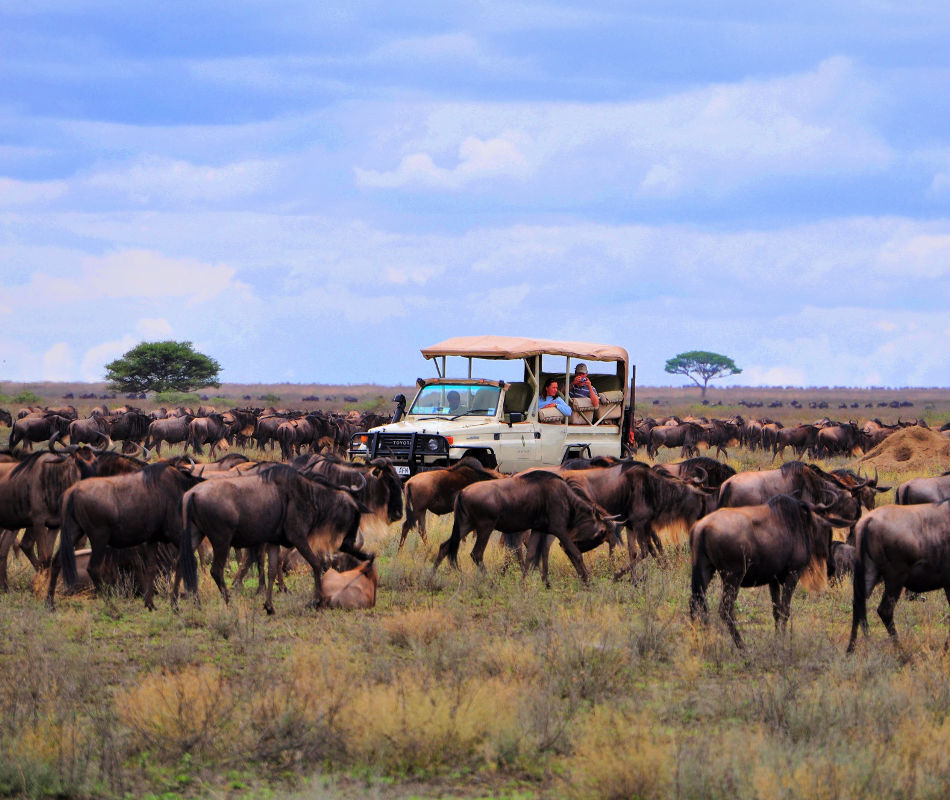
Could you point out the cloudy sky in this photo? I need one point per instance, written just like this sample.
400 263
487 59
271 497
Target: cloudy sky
312 192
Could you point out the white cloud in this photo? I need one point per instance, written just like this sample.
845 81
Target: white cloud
14 193
154 328
775 375
477 160
915 254
58 363
92 367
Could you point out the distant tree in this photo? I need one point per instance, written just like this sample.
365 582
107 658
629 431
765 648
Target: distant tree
162 367
701 365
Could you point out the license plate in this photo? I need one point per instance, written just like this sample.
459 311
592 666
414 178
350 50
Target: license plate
402 470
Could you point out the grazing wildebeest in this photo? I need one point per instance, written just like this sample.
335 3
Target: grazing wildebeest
130 427
801 439
842 560
541 502
807 481
173 430
376 486
208 429
140 508
644 500
775 544
436 491
924 490
37 427
276 507
6 418
905 547
686 436
91 430
711 473
124 569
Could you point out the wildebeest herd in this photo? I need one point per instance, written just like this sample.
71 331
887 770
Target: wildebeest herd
770 527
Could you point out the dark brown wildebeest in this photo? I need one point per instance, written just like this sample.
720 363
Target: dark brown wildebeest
711 473
91 430
807 481
130 428
208 429
141 508
775 544
241 423
376 485
842 560
37 427
801 439
541 502
436 491
840 439
293 435
686 436
275 507
265 434
644 500
719 433
905 547
123 569
6 418
173 430
924 490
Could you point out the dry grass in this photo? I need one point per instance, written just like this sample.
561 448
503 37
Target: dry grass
468 684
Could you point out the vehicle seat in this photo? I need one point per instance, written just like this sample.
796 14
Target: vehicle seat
483 398
518 398
610 393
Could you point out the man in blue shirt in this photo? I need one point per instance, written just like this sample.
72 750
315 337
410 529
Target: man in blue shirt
550 397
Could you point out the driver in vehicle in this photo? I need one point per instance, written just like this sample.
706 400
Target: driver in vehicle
455 401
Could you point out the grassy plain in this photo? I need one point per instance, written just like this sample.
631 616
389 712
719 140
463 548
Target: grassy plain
461 684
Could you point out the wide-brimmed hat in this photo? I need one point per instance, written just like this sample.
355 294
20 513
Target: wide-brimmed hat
580 369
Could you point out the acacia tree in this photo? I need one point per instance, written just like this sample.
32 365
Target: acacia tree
702 365
162 367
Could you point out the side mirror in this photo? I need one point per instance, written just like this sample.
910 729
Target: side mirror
515 416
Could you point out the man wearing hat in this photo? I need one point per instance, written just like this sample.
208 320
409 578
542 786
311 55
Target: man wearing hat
581 385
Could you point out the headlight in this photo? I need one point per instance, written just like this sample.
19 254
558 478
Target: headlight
433 445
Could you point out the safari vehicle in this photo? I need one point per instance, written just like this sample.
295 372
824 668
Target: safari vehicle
497 421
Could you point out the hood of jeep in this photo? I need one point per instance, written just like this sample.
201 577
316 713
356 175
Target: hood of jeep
442 426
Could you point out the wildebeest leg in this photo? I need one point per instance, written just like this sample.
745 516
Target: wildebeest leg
246 557
702 575
775 592
946 591
7 538
892 593
785 611
318 567
482 537
27 544
727 608
220 558
273 565
573 554
94 567
151 567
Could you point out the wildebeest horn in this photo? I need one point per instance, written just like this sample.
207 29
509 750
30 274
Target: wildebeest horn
69 448
104 447
361 487
705 474
826 493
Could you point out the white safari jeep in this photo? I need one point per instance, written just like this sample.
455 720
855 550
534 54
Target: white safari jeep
497 421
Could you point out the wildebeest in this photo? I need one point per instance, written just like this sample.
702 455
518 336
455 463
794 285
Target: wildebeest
436 491
801 439
275 507
924 490
842 559
129 427
91 430
840 439
141 508
711 473
125 569
541 502
686 436
351 588
775 544
37 427
905 547
644 500
807 481
6 418
376 485
173 430
208 429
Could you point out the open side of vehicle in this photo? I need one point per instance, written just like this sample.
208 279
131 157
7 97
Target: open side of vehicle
498 422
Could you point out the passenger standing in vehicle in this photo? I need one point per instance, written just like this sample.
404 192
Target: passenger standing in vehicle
582 387
550 397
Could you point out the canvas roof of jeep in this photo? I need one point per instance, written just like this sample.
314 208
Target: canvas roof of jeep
521 347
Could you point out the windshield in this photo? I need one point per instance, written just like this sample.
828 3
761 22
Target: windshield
456 399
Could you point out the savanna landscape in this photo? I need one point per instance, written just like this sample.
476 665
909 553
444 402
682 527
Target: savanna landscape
484 684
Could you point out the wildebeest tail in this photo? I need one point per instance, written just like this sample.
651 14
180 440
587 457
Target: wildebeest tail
67 543
410 522
186 551
901 495
859 604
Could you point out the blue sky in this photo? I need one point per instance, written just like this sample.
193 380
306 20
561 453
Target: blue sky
312 192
